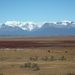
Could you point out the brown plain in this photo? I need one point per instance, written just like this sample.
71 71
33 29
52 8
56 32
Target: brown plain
16 51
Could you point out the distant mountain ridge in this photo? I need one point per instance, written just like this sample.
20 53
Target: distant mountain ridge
31 28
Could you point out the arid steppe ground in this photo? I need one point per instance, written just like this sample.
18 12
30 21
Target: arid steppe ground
54 55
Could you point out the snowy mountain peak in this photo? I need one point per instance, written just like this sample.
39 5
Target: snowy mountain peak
17 23
64 21
24 25
39 28
29 26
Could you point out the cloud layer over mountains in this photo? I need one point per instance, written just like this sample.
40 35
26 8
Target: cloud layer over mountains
32 28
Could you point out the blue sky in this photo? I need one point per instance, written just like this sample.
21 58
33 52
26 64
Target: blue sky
37 10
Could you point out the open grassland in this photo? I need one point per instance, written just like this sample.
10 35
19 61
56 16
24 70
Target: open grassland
20 55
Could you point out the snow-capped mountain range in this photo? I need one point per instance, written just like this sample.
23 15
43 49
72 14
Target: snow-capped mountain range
32 28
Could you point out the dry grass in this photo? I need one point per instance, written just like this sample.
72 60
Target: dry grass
13 58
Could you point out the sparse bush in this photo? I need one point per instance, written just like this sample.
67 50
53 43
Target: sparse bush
71 73
65 51
2 58
31 58
27 64
70 49
34 58
52 58
45 58
35 67
1 73
48 50
62 58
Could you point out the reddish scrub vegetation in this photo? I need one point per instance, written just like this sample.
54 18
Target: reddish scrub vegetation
22 44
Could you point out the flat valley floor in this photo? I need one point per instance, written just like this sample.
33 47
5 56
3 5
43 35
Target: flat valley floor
51 55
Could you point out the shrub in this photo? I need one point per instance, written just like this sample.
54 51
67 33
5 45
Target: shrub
52 58
1 73
34 58
65 51
36 67
48 50
45 58
63 58
27 64
70 73
31 58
